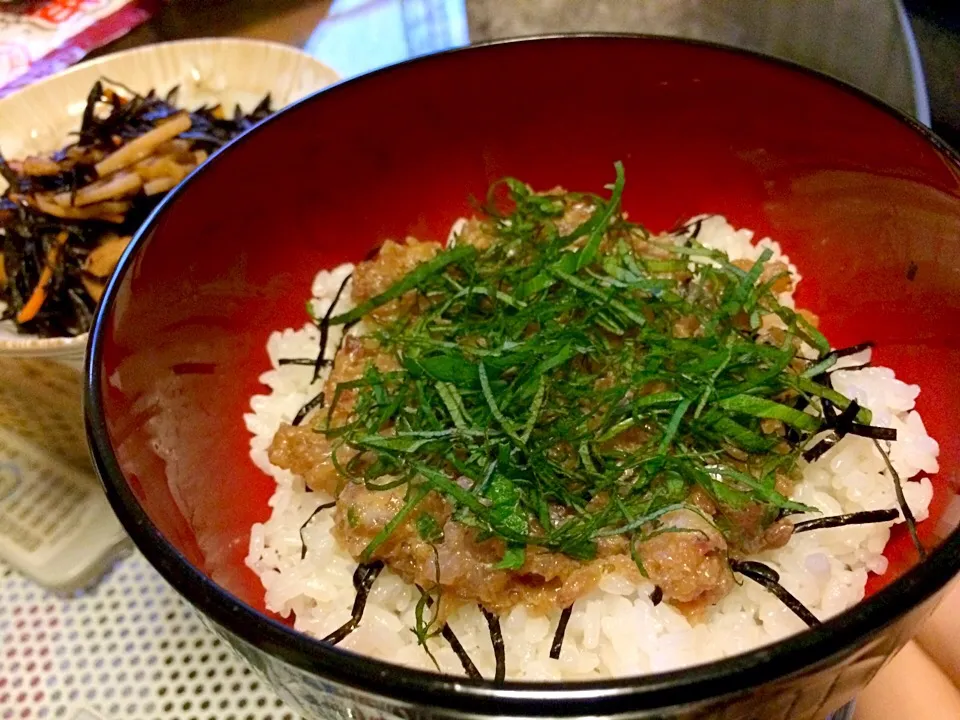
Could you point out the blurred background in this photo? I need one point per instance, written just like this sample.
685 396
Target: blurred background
906 53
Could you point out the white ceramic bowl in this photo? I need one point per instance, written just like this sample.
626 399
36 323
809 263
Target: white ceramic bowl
39 118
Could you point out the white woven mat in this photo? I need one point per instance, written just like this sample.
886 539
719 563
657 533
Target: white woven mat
129 649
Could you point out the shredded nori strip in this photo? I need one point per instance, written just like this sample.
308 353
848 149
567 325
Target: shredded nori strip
310 406
830 418
656 597
843 424
321 361
873 432
447 633
557 645
303 543
692 231
468 667
865 517
296 361
852 350
850 368
770 580
496 639
363 579
902 501
844 421
830 413
820 449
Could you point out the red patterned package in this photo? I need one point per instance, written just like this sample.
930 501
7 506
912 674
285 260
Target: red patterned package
41 37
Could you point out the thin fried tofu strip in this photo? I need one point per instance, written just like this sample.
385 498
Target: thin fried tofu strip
141 147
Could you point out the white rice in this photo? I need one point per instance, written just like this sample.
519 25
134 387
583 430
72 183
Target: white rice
616 630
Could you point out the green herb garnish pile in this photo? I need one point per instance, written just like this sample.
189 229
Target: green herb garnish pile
546 393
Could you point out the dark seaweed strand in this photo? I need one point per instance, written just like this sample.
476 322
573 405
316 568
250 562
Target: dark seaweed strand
320 508
852 350
320 362
296 361
129 90
830 417
814 453
310 406
873 432
820 449
496 639
825 379
691 230
363 579
846 352
829 413
557 645
769 579
843 424
447 633
846 425
850 368
93 97
902 501
468 667
656 597
866 517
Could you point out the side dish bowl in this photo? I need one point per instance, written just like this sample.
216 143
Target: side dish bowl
40 118
865 201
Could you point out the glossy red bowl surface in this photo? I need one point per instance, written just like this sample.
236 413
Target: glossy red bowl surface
865 202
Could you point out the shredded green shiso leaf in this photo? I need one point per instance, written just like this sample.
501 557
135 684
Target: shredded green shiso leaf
546 372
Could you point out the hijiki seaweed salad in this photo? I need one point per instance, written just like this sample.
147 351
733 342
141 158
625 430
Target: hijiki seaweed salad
564 447
66 218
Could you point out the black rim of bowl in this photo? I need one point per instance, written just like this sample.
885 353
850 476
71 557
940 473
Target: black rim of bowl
837 638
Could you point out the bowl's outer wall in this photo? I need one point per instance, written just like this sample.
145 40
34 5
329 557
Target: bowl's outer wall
824 686
866 207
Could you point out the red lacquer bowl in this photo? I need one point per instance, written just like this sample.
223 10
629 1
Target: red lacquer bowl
866 203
